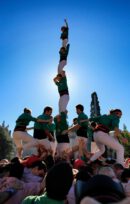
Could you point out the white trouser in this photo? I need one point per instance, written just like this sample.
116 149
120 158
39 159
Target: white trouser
45 142
61 66
63 102
20 137
61 147
82 138
94 147
53 147
103 139
64 42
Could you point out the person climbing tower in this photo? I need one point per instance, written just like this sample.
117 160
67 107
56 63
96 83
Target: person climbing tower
61 81
63 57
64 34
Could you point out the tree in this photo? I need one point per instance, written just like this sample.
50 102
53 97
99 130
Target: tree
126 134
6 143
95 108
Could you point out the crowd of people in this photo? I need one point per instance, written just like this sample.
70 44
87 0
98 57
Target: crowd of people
64 167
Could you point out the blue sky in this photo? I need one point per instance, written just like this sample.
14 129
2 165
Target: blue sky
99 57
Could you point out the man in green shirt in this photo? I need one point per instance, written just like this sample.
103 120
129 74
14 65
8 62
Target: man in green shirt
82 126
61 81
61 124
21 138
41 130
106 123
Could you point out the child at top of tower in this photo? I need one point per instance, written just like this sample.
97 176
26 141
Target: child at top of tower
64 34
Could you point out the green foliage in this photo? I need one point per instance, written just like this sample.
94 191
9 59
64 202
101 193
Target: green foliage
126 134
6 144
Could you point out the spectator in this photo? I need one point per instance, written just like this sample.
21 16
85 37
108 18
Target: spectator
58 182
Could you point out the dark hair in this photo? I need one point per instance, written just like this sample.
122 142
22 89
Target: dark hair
93 124
59 180
114 111
118 166
125 175
49 161
63 48
4 169
75 119
16 168
47 108
80 107
40 164
63 28
59 75
84 174
27 110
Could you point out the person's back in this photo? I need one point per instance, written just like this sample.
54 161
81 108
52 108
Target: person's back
106 120
105 124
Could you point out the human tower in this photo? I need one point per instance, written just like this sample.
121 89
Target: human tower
44 129
61 79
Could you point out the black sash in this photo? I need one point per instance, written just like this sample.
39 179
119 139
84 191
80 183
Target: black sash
64 92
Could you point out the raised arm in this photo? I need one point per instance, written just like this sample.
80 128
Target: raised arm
43 121
29 128
66 23
71 129
85 120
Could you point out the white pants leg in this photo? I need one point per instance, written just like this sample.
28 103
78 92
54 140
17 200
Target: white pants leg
64 42
46 143
84 139
19 137
24 140
103 139
53 147
63 102
94 147
61 65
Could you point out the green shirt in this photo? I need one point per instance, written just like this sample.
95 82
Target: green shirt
62 84
64 34
42 126
82 116
110 121
63 55
51 127
62 125
24 119
43 199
